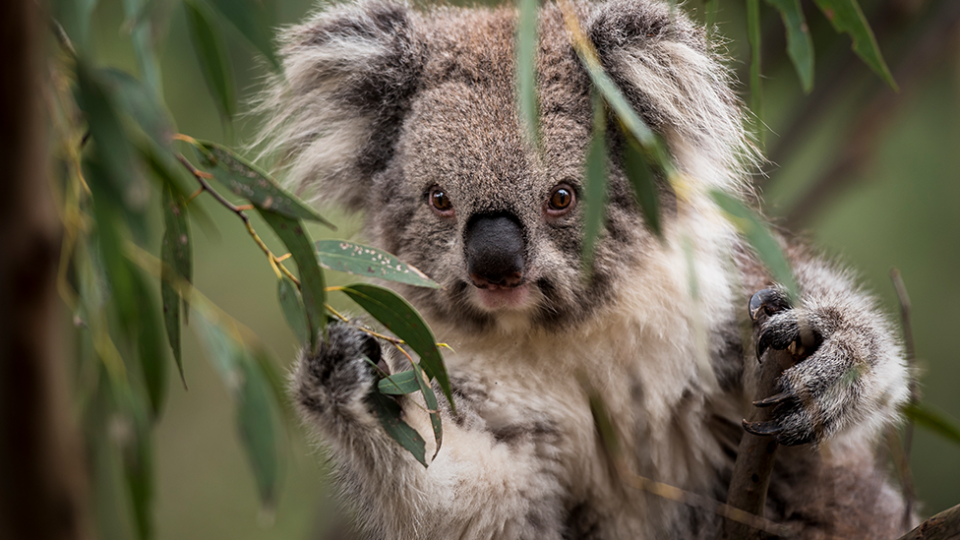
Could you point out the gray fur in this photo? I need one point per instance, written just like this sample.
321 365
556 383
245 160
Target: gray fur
381 103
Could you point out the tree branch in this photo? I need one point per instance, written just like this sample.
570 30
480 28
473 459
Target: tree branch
943 526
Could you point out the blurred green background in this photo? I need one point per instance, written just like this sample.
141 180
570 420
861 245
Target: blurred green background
901 209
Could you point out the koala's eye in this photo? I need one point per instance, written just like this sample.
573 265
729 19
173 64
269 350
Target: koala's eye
440 202
561 200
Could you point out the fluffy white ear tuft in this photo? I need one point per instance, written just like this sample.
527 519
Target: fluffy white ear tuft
679 85
333 117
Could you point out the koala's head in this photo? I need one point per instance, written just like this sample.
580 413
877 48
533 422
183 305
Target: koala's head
410 117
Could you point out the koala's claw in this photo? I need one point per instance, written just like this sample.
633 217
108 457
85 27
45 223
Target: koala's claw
763 429
775 399
767 302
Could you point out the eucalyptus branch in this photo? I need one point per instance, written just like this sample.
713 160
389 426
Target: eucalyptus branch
205 186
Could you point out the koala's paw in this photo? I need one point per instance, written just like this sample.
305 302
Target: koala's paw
829 385
337 378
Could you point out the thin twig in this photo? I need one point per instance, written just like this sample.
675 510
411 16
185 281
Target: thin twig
906 475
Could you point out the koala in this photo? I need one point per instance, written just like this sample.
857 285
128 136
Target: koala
408 117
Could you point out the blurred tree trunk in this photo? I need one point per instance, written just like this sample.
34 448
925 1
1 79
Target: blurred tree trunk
41 466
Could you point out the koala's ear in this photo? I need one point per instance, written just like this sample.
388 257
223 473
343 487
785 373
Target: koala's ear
333 119
681 88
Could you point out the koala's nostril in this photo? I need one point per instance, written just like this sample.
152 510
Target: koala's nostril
494 248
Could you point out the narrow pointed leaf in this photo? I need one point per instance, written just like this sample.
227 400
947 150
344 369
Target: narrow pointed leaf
75 17
799 42
846 16
253 19
433 408
526 63
402 319
277 382
293 309
644 183
211 52
177 257
252 183
142 38
312 287
758 235
150 347
399 384
256 411
934 420
256 420
361 260
140 103
389 414
595 196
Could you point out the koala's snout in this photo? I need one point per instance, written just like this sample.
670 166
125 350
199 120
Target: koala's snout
494 246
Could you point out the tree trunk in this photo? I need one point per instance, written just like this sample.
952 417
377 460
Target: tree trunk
42 478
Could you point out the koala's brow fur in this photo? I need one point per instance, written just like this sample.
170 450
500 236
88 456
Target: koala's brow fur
381 104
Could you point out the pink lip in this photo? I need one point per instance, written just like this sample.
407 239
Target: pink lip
496 297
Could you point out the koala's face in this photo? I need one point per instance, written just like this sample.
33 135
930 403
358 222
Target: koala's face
411 118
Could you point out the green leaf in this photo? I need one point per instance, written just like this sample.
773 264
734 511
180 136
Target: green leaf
256 411
150 346
312 287
112 152
276 381
399 384
654 150
799 42
846 16
433 408
360 260
760 238
292 308
142 38
177 260
75 17
212 54
527 41
140 103
256 419
129 414
254 21
756 84
253 184
644 183
398 316
934 420
389 413
595 196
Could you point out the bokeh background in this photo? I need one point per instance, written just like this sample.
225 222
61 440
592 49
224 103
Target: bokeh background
895 202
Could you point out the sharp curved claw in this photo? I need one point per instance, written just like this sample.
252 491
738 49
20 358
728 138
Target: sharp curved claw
761 428
775 399
768 301
763 344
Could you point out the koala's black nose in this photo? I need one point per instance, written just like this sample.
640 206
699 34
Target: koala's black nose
494 247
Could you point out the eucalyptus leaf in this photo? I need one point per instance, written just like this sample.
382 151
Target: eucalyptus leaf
143 42
934 420
150 346
360 260
256 420
252 183
846 16
526 62
644 183
799 42
399 384
758 235
211 52
433 408
177 258
389 413
253 19
140 102
595 196
312 287
292 308
398 316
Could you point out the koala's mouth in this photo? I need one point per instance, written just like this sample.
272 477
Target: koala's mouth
498 297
